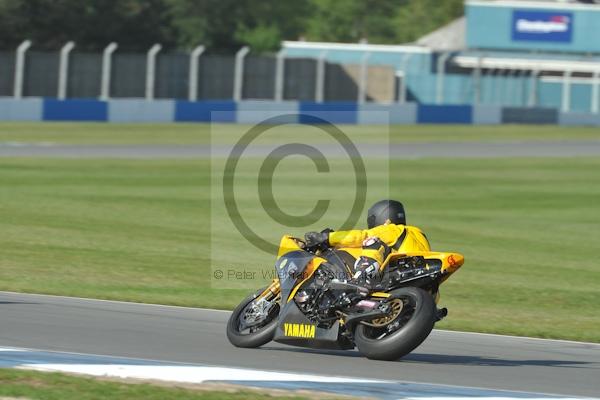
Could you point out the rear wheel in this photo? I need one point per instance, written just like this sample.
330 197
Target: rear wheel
253 322
410 321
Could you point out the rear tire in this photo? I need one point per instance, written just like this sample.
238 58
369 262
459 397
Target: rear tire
262 336
408 337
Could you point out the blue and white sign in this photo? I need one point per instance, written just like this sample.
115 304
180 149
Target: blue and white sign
542 26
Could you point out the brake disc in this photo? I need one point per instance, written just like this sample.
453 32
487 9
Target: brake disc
396 306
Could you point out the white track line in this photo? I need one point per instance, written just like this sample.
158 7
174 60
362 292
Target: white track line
113 301
518 337
245 372
199 373
228 311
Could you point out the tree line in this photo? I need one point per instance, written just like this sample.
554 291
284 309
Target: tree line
221 25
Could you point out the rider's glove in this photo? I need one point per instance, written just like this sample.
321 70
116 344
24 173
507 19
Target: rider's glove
316 238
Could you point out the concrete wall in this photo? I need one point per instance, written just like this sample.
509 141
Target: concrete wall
257 111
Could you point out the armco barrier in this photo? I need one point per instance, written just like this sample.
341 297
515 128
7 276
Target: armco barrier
75 110
444 114
137 110
377 114
21 110
487 115
531 115
334 112
579 119
200 111
256 111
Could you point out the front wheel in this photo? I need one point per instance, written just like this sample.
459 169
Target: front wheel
411 319
253 323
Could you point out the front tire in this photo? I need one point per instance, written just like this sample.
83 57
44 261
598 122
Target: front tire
262 335
415 322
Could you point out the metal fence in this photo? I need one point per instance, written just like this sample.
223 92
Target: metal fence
191 76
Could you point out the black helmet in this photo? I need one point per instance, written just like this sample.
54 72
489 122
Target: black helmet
384 210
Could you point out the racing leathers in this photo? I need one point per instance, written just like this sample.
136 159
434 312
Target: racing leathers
376 244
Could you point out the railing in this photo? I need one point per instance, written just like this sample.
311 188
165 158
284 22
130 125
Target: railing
189 76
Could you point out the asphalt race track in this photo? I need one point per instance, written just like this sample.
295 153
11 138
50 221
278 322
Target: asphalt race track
574 148
198 336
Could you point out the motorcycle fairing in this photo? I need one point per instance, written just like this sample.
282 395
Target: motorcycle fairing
294 328
292 268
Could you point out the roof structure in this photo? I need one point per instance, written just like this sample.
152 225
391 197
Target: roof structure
450 37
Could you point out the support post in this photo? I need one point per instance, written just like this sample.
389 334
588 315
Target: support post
498 87
404 74
518 91
504 86
238 81
107 70
509 87
566 91
279 75
151 70
532 101
477 82
487 96
441 71
595 92
364 78
20 69
193 73
63 70
401 95
320 81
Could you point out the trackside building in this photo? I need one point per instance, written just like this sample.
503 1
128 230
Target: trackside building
504 61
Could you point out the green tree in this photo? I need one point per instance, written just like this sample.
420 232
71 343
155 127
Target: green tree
419 17
228 24
222 25
134 24
379 21
353 20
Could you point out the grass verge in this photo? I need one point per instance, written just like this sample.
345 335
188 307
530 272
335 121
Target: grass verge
141 231
56 386
103 133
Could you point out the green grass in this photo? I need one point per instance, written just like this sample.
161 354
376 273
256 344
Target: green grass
102 133
55 386
141 231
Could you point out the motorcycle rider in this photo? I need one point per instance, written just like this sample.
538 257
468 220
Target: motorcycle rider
387 230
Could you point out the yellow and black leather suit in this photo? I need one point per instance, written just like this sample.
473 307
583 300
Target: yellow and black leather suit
401 238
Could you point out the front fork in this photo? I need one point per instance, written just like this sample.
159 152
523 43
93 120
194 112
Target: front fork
272 292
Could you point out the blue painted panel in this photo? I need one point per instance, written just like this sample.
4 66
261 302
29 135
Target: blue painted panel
542 26
200 111
75 110
333 112
569 27
444 114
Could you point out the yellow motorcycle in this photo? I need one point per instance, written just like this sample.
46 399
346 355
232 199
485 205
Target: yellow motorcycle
315 302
